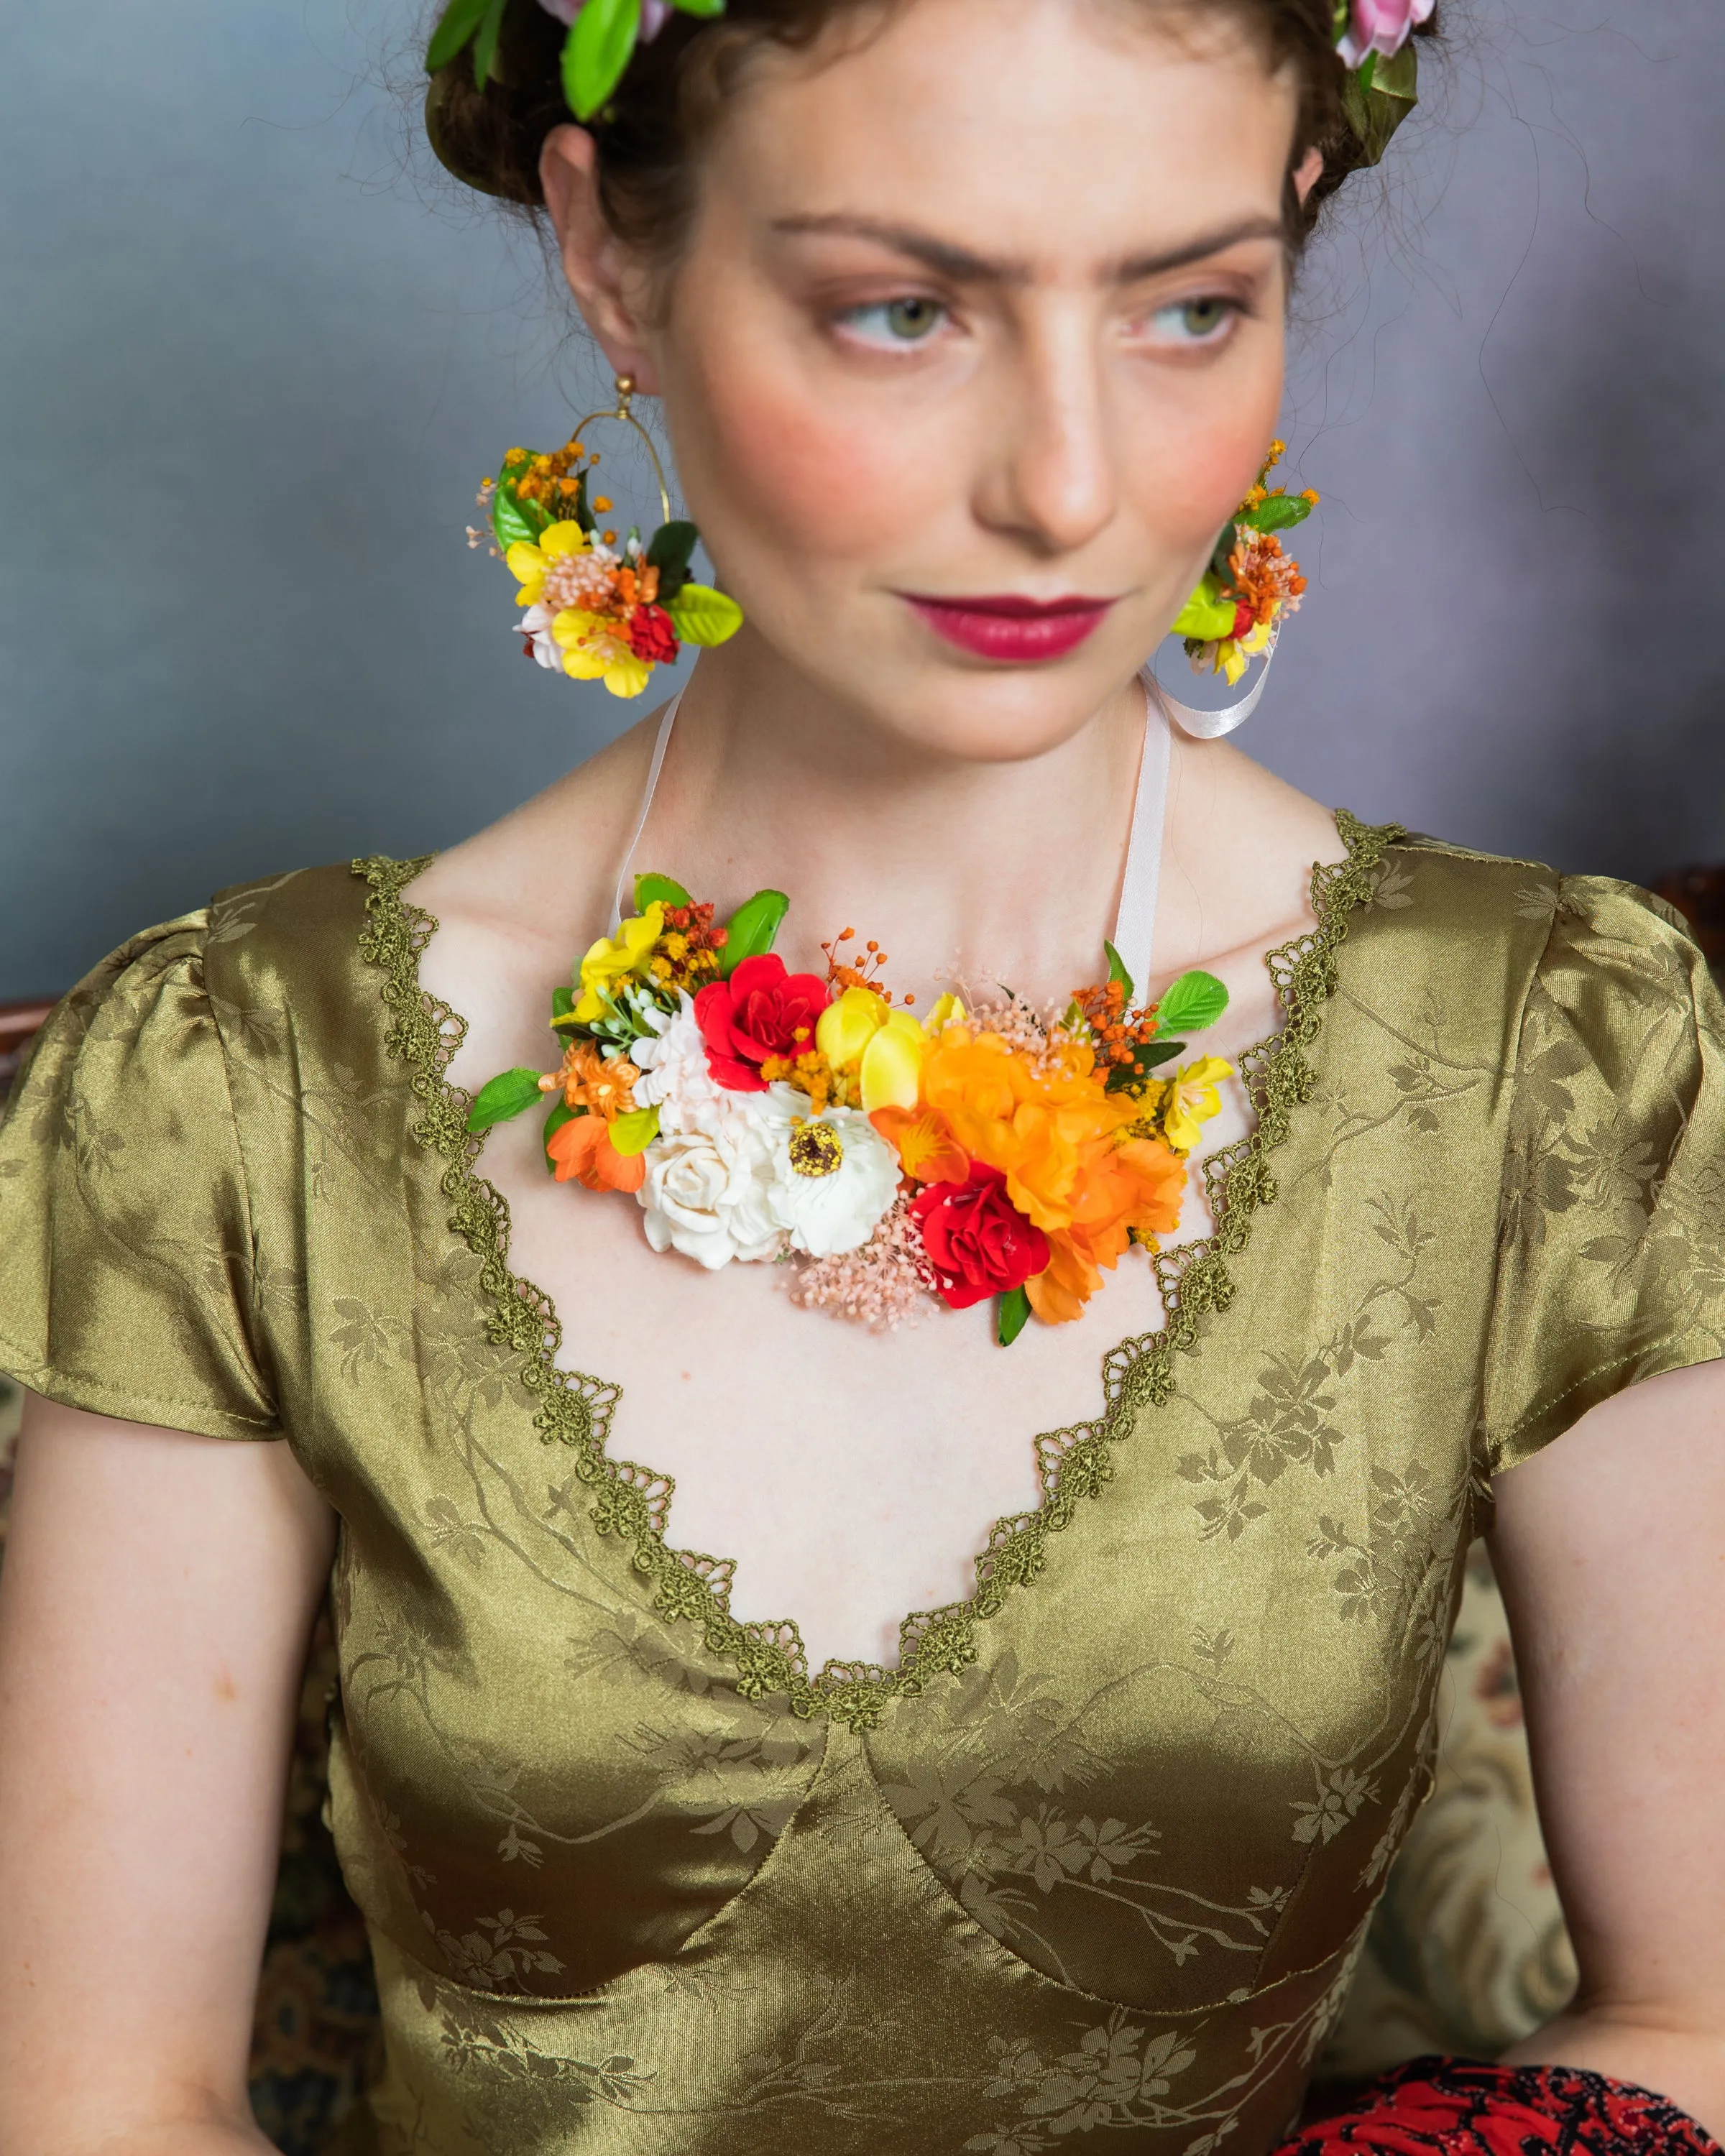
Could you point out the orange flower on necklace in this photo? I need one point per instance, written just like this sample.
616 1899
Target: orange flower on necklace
923 1140
583 1153
592 1083
1135 1185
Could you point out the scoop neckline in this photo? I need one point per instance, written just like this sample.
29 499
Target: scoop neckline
634 1501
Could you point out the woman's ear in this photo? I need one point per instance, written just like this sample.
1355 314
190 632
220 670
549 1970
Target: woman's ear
1306 174
606 283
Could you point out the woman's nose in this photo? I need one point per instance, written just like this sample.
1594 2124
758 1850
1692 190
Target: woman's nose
1048 477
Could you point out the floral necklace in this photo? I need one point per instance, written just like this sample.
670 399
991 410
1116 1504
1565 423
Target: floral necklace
994 1149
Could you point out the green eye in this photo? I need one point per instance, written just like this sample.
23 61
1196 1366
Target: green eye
896 322
1194 321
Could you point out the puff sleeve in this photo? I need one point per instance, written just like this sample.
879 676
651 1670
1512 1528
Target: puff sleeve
1611 1227
125 1244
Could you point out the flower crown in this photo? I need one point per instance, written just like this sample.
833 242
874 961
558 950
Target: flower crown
1371 36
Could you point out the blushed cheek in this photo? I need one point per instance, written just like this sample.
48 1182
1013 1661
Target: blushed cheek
786 474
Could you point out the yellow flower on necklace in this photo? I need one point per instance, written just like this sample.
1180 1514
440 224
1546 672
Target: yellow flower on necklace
614 959
530 563
1189 1099
594 651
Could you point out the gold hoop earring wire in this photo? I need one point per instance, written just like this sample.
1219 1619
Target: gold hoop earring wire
625 393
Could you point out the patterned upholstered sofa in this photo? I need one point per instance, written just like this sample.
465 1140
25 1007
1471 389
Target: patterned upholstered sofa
1467 1952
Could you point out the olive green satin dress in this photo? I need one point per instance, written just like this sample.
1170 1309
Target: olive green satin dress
1097 1856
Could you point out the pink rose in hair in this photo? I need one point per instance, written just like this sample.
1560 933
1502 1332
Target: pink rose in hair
654 14
1376 26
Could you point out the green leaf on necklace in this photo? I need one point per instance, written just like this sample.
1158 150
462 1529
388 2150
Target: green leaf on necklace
1116 971
1196 999
750 930
560 1114
1014 1315
634 1132
506 1094
664 888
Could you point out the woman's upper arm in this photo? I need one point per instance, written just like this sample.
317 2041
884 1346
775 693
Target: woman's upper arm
1610 1550
155 1604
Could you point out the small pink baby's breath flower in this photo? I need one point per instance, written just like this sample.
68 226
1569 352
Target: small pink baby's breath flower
885 1285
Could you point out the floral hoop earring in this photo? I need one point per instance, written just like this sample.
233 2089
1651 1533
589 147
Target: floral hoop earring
1236 612
597 610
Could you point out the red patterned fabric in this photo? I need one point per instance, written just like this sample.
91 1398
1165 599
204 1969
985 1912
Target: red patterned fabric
1464 2107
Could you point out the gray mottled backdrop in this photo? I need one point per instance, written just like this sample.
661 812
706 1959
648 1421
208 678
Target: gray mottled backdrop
252 365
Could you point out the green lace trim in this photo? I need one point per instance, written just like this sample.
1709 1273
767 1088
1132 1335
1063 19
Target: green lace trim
634 1502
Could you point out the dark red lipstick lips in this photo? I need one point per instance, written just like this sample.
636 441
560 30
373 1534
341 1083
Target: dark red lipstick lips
1014 630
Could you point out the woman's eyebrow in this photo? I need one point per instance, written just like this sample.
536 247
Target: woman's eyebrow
963 266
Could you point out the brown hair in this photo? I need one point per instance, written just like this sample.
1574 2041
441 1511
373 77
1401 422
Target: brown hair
649 135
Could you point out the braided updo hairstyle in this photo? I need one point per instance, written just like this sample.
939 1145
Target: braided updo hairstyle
651 131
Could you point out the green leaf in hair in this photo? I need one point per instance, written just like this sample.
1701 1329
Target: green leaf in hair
456 25
485 45
506 1094
599 47
750 930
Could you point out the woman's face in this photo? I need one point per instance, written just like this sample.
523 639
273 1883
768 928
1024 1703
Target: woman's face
982 311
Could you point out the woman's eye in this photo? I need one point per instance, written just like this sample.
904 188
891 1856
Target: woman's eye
894 322
1194 321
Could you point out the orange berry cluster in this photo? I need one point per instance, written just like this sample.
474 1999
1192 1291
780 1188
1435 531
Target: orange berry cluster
865 973
686 956
1119 1033
547 479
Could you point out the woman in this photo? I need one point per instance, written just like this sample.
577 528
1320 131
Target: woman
966 318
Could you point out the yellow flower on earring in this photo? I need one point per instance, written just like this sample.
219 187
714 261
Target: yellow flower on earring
594 651
531 562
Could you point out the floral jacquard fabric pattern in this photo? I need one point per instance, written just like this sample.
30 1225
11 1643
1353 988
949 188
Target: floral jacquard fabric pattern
1098 1854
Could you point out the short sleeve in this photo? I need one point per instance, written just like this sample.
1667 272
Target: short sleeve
1611 1229
125 1246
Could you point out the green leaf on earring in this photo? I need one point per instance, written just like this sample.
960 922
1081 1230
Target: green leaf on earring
750 930
485 45
699 7
1275 512
700 615
665 889
596 52
459 20
1014 1315
511 518
1205 618
669 551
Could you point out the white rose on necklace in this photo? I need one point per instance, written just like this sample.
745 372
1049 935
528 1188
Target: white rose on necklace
709 1194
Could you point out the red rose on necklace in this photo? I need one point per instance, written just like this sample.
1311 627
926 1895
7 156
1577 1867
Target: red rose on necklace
761 1011
977 1240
